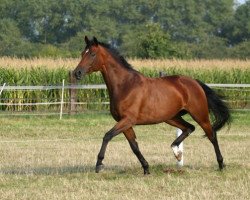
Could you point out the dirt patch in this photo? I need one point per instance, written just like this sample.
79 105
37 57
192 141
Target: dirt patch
173 171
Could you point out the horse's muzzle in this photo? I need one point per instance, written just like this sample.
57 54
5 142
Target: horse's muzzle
79 74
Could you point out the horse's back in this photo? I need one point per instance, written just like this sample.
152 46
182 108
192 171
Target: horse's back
193 96
155 100
162 98
165 97
189 88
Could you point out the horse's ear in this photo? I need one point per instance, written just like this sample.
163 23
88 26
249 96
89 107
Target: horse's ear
86 40
95 41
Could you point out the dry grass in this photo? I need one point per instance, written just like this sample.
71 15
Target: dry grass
51 63
50 159
193 64
70 63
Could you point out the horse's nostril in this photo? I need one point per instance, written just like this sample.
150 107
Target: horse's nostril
79 73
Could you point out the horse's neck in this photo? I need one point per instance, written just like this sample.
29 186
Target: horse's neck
115 76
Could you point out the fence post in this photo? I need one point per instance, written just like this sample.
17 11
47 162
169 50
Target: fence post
61 110
2 88
161 74
72 93
178 133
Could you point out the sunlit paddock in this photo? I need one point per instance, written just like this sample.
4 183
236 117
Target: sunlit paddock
44 158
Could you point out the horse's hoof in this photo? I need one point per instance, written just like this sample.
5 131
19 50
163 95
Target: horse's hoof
177 152
146 172
99 168
221 166
179 156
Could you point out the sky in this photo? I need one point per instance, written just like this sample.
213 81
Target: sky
241 1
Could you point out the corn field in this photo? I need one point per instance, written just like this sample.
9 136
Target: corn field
26 73
70 63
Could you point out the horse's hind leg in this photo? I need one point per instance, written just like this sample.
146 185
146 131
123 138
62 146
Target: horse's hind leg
186 130
212 136
130 135
205 124
217 152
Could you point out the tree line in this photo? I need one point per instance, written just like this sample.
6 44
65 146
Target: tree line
142 28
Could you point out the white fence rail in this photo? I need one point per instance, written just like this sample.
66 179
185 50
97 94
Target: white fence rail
55 87
245 87
103 86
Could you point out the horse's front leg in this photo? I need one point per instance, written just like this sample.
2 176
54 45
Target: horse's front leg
122 125
130 135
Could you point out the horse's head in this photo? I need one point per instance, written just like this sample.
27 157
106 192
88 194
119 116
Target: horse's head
91 60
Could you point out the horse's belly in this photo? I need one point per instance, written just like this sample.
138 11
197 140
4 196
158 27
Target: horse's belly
158 112
152 104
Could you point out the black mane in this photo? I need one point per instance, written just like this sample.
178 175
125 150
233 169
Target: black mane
115 54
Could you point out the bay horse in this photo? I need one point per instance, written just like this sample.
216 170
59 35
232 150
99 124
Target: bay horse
139 100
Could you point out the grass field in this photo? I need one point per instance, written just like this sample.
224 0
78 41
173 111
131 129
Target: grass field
44 158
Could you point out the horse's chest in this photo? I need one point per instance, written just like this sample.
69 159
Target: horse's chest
114 110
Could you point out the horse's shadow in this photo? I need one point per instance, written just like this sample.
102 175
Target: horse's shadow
60 170
84 169
114 169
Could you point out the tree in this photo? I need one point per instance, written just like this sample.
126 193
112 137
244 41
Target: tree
153 42
10 36
241 28
241 51
162 28
212 47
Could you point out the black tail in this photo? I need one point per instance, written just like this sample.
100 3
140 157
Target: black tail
218 108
